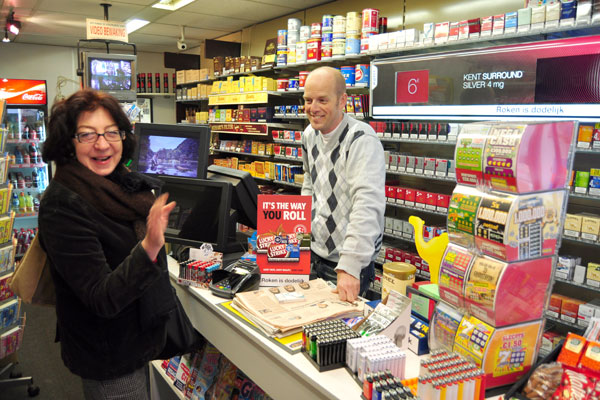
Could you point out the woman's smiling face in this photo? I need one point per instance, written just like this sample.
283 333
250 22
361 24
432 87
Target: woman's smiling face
101 156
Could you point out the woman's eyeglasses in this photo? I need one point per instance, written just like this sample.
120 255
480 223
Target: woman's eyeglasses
92 137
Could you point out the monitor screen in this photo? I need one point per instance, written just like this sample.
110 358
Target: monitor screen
167 155
110 74
245 192
202 212
174 150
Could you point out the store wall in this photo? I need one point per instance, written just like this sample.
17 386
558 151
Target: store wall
417 12
53 63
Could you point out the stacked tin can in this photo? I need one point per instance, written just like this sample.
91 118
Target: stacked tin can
282 47
327 37
293 37
339 37
353 30
370 26
313 45
301 44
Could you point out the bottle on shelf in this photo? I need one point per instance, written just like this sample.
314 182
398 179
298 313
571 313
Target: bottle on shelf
18 155
22 203
29 203
26 157
34 153
166 82
35 179
20 181
15 202
157 82
12 178
36 204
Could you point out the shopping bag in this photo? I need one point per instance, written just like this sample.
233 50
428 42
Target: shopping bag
31 280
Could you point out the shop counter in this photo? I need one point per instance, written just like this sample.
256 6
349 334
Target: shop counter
281 374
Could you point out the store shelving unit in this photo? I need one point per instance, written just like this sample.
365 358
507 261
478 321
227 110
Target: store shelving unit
574 327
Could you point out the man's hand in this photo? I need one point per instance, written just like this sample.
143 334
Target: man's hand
347 286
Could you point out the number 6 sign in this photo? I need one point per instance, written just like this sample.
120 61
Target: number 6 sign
412 87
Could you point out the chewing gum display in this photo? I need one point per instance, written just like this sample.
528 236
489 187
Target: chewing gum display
515 158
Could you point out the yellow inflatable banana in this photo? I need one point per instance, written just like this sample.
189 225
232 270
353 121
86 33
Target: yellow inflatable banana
431 251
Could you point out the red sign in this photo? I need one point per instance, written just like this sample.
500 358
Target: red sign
283 239
412 87
23 91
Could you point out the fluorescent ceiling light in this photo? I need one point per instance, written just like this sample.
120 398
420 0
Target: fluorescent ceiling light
172 5
135 24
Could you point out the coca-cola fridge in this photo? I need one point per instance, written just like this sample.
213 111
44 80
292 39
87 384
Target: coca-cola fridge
24 135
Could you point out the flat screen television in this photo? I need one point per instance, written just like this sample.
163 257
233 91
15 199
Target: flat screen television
111 73
203 213
245 192
174 150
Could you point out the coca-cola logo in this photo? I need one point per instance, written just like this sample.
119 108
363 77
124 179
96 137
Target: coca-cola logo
36 96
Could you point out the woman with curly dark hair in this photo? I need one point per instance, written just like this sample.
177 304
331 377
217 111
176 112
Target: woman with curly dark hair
103 231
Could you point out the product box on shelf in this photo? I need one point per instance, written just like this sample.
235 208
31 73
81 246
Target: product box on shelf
555 305
573 225
524 19
593 275
569 309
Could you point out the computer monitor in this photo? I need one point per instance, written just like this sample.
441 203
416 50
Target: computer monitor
111 73
203 213
245 198
174 150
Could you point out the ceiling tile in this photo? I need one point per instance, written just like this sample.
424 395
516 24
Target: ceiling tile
49 23
90 9
204 21
242 9
173 32
296 4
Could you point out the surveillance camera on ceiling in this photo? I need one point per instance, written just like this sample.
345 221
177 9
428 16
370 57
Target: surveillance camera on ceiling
181 44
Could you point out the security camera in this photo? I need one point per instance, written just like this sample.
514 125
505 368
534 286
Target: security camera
181 44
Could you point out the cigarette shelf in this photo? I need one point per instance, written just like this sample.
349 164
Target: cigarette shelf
349 89
151 95
418 209
261 97
242 153
591 151
341 60
579 240
417 141
192 100
284 158
282 141
292 184
576 328
432 177
283 116
269 124
581 285
395 236
583 196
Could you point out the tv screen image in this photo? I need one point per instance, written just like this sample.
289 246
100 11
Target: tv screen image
168 155
106 74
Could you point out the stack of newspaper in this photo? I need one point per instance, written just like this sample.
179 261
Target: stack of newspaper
282 311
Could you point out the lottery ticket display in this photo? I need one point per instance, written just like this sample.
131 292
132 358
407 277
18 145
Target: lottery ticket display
497 292
515 158
505 221
506 226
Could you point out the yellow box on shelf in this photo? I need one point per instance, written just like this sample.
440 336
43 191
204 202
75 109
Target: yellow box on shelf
238 98
5 194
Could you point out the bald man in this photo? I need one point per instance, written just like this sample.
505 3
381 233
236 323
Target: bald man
344 172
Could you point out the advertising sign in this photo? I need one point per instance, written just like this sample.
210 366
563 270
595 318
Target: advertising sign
283 239
554 78
107 30
23 91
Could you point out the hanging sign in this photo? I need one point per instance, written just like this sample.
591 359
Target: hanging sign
107 30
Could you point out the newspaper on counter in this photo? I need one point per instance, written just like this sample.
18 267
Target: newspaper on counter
283 318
